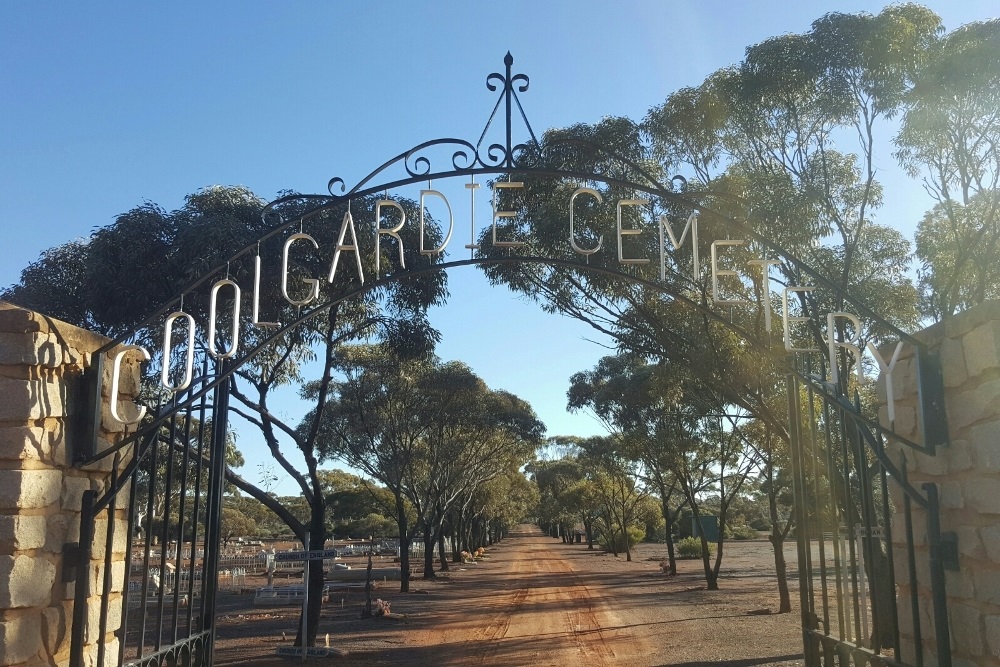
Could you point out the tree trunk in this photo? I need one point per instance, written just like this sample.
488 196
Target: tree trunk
667 523
711 582
367 612
442 552
429 544
404 548
777 541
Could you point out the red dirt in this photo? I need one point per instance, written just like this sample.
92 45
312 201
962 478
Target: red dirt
537 601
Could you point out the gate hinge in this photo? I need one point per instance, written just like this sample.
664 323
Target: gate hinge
71 561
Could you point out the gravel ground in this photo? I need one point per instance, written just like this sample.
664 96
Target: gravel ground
537 601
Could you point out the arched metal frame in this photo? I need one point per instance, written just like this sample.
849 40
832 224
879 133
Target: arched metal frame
209 391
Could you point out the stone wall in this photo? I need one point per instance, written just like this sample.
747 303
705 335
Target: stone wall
41 362
967 475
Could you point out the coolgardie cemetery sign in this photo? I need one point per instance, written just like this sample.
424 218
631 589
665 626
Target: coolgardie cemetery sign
346 255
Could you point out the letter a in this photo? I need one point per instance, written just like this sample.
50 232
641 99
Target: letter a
353 247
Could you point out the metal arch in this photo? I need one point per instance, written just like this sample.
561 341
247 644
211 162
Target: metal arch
210 384
468 159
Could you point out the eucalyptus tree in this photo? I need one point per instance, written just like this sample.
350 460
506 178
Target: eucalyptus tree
426 430
114 280
483 513
616 483
356 506
676 430
950 138
557 510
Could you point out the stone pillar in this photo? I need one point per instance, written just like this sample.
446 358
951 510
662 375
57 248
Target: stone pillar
41 361
967 475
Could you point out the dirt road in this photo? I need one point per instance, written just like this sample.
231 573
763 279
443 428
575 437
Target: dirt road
540 602
540 610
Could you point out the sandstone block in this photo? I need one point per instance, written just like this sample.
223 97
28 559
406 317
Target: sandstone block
951 496
985 446
969 543
953 363
981 348
72 492
966 408
29 489
30 349
26 400
22 532
18 320
966 628
982 494
960 584
56 530
21 443
990 535
118 541
906 422
992 623
53 444
110 654
114 620
958 454
987 585
25 581
935 466
55 628
20 638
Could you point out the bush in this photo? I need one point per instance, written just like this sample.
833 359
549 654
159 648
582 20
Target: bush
635 535
743 532
690 547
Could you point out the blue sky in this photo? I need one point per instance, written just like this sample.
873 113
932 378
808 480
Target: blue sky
107 105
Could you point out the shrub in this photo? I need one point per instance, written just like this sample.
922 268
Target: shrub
743 532
635 535
690 547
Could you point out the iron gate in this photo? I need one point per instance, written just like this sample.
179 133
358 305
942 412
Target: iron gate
165 493
857 538
861 562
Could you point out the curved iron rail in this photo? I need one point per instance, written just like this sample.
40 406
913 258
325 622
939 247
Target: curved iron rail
193 396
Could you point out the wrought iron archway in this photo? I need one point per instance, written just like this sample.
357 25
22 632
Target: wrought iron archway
839 454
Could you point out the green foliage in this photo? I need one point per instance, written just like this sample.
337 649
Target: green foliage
950 138
690 547
617 544
741 531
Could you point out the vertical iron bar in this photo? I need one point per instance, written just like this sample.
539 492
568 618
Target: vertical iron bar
918 646
148 537
942 635
129 545
82 593
199 468
849 512
220 415
508 92
109 536
838 556
175 575
887 536
179 564
801 543
820 506
165 538
869 515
